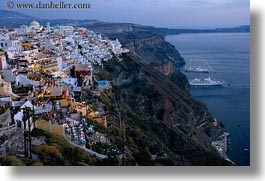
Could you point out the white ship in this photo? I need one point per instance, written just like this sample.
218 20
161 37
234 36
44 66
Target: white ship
197 69
205 82
198 66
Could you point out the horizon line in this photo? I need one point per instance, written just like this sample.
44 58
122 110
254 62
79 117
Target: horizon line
202 27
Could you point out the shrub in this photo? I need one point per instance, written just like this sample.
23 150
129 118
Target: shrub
49 155
11 161
37 164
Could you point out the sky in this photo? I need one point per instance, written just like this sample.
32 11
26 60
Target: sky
160 13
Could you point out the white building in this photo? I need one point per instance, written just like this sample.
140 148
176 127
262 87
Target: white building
13 46
21 30
48 28
30 54
3 64
34 25
22 80
70 81
66 30
4 42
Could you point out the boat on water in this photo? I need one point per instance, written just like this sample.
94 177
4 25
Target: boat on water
205 82
198 67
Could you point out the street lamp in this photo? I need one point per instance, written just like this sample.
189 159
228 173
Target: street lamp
33 115
27 114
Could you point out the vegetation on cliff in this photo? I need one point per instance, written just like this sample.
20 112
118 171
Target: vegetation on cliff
56 152
151 116
154 117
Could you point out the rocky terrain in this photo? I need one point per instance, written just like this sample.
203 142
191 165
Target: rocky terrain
152 117
159 121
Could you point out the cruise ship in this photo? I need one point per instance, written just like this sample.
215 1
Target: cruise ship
205 82
198 67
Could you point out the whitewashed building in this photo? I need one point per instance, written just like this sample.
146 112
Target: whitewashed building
66 30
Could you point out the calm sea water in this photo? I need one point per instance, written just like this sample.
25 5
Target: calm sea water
228 54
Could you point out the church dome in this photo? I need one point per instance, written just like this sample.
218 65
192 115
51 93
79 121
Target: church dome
34 24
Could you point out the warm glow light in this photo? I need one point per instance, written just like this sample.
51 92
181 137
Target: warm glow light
40 95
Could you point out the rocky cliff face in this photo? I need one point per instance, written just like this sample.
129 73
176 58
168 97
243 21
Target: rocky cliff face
170 101
155 51
161 123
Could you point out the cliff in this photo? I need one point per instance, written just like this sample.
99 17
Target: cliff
160 122
152 118
155 51
113 28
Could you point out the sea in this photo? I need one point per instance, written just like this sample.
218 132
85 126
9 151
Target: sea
228 54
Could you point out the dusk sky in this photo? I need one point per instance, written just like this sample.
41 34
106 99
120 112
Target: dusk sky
161 13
